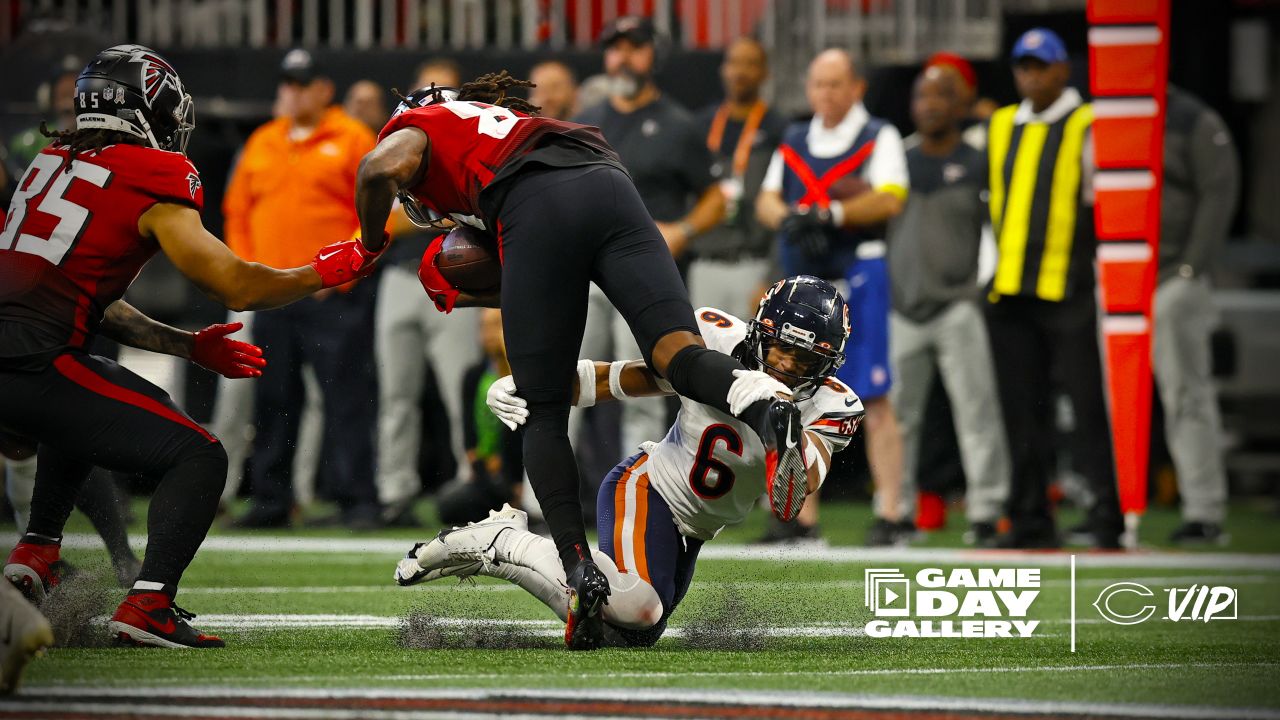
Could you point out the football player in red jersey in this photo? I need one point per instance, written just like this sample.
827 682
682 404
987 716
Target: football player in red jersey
91 210
564 214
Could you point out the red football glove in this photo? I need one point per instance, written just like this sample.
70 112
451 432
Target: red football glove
340 263
438 289
229 358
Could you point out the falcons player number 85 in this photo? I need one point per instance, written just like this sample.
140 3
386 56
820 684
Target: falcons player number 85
72 219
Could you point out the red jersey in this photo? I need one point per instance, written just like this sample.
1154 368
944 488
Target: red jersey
71 247
474 144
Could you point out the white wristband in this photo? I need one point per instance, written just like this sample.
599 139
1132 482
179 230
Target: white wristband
813 457
586 384
837 213
615 378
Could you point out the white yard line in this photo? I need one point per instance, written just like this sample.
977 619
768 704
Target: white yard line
922 556
789 582
151 700
550 628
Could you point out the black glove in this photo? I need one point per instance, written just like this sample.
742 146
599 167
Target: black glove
810 228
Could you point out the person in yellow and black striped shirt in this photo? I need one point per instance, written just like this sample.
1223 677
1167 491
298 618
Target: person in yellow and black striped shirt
1042 314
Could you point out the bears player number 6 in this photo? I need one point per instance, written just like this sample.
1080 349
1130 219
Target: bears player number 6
704 484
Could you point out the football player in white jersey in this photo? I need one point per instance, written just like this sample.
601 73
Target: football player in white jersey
657 508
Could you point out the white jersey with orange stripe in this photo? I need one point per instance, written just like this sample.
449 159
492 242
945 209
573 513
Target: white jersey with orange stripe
710 468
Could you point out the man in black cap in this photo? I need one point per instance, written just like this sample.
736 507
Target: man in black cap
665 152
290 193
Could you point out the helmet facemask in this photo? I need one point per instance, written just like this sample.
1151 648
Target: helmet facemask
185 114
421 215
817 363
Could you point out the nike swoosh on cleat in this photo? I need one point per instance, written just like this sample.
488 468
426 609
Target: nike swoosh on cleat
791 442
168 627
326 257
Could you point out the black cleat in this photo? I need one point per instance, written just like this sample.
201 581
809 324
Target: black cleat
1042 538
1199 533
982 535
885 533
792 533
787 479
588 594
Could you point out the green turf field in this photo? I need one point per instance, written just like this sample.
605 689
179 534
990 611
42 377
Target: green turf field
332 618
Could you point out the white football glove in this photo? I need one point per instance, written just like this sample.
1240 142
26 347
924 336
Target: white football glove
505 404
753 385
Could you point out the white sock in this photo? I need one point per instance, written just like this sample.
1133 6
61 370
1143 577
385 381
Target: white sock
550 591
532 562
20 482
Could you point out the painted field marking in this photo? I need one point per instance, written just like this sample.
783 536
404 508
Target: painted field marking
765 584
548 627
919 556
199 700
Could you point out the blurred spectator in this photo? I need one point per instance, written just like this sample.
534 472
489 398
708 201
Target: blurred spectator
409 334
493 450
732 260
1042 314
666 154
1200 190
830 188
56 101
975 110
937 323
366 101
555 89
442 71
290 194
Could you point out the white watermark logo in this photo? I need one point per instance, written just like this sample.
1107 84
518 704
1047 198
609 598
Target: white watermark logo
1199 602
960 603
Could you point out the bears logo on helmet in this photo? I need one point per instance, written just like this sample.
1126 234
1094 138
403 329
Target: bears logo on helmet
807 314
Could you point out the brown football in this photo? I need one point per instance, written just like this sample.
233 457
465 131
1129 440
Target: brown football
469 261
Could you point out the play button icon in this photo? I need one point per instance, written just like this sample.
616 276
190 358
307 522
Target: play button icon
890 596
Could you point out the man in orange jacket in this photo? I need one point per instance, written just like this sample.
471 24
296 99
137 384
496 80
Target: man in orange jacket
289 195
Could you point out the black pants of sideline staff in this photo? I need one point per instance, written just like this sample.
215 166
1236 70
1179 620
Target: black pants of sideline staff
1040 347
333 335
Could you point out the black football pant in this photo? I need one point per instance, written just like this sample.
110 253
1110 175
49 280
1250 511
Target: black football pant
1040 346
335 337
88 411
559 230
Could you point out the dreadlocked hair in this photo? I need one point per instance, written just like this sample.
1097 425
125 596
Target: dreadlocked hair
492 89
78 141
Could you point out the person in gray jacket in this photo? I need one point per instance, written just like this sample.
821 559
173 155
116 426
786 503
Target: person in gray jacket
936 320
1201 187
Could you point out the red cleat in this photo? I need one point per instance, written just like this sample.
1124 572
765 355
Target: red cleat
34 569
152 620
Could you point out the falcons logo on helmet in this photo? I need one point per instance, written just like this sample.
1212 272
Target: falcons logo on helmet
156 74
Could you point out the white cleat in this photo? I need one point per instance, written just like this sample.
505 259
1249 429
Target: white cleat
24 633
461 551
